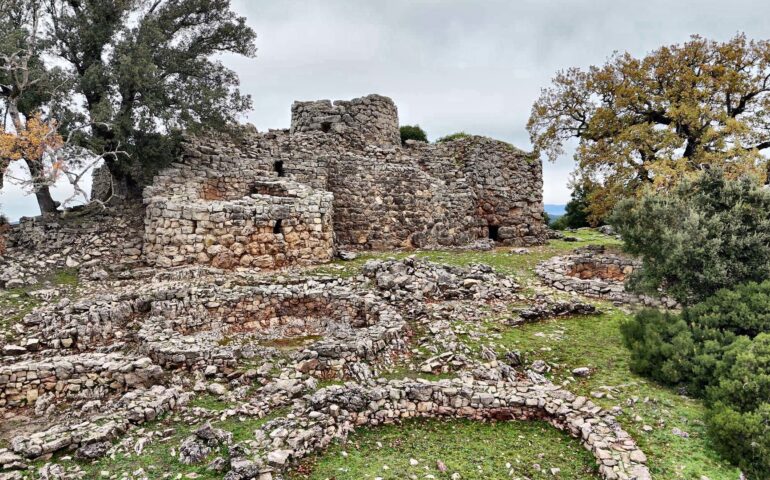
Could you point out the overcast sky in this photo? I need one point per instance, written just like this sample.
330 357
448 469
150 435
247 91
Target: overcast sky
475 66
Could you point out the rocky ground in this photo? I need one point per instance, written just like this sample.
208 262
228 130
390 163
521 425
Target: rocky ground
387 366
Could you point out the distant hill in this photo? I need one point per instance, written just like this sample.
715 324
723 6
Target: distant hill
554 209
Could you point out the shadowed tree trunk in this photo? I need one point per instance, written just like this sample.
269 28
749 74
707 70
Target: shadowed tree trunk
42 192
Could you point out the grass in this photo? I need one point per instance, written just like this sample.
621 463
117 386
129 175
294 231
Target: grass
507 450
565 343
595 342
17 302
519 266
493 451
160 455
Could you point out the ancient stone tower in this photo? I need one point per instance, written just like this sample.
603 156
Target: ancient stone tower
338 177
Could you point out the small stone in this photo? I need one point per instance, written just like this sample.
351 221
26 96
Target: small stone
279 458
217 389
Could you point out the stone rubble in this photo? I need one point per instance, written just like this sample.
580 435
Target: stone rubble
37 247
266 200
141 342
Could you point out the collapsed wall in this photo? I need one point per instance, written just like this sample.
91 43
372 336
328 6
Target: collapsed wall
338 176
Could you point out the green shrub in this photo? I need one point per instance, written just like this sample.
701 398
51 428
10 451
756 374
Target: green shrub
650 338
689 349
718 349
708 234
546 218
453 136
744 379
412 132
742 438
744 310
665 348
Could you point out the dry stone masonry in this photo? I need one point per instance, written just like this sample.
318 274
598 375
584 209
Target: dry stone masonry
177 307
338 177
332 413
593 272
90 243
90 375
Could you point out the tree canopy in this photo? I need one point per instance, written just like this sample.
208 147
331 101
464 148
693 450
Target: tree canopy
129 76
654 121
412 132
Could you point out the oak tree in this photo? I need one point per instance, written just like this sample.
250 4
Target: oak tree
26 85
146 70
651 122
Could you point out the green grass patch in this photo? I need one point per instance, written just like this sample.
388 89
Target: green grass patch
14 305
519 266
160 455
209 402
65 277
494 451
595 342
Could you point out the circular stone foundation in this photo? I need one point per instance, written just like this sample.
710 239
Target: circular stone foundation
593 272
217 326
333 412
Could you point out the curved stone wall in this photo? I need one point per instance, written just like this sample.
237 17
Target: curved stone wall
196 323
593 272
373 118
332 413
276 223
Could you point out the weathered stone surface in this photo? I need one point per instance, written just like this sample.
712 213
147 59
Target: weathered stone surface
592 272
266 200
331 413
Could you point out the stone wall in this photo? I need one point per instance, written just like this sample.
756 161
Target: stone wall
197 321
593 272
333 412
340 170
85 376
102 239
373 118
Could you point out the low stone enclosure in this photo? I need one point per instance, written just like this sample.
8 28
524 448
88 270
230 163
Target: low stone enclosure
338 177
333 412
119 359
197 323
594 272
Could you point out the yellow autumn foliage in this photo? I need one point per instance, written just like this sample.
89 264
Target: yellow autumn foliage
31 143
649 123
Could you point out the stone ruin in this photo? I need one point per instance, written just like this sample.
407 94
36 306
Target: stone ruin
119 358
143 341
339 177
595 272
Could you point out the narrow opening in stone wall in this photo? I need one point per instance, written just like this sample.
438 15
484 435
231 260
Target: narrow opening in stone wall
494 233
326 127
277 226
278 167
